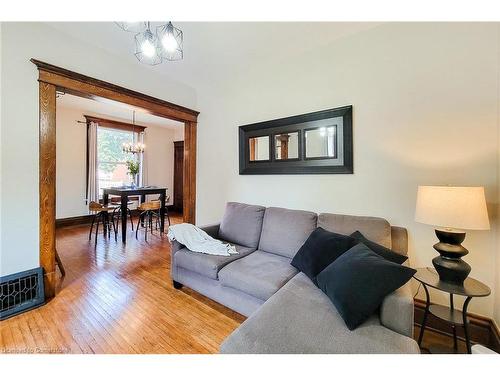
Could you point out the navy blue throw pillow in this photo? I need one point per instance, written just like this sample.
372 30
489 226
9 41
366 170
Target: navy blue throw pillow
358 281
320 249
379 249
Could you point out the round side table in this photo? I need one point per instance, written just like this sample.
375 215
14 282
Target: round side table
428 277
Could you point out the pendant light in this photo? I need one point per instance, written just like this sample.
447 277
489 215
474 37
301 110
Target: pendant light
146 47
132 147
152 48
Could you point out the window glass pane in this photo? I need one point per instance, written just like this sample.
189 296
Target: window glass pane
109 145
286 146
112 168
112 174
321 142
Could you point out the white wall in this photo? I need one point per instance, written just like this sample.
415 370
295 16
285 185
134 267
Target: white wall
19 147
160 156
1 25
425 112
71 180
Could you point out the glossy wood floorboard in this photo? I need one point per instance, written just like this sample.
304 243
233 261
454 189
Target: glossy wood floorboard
118 299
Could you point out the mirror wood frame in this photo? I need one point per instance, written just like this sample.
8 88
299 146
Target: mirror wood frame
52 78
302 164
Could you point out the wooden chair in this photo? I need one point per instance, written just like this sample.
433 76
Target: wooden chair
102 214
167 198
148 211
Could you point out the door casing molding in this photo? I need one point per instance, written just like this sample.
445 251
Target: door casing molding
52 78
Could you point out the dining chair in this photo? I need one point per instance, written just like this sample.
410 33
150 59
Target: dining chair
148 211
118 211
101 213
167 198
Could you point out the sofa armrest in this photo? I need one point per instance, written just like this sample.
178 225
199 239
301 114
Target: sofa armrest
212 230
396 311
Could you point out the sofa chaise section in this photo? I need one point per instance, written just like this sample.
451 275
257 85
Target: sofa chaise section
300 319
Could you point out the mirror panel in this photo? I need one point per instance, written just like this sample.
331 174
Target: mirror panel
259 148
312 143
321 142
286 146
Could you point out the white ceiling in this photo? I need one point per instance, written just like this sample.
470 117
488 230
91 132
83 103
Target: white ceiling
217 50
114 111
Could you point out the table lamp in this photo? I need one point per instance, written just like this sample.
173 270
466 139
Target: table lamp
452 209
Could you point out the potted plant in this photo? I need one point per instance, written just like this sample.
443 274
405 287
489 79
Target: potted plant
133 170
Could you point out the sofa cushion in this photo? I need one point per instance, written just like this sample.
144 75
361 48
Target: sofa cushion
285 231
300 318
320 249
259 274
206 264
242 224
358 281
375 229
379 249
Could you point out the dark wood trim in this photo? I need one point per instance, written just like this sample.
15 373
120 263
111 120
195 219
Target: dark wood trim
482 330
60 77
47 184
113 124
189 191
52 78
72 221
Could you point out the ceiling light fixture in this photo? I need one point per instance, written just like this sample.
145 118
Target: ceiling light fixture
132 147
146 47
166 43
171 40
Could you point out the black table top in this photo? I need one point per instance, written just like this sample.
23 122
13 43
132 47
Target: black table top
119 190
470 288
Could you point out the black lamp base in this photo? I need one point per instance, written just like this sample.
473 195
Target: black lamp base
448 264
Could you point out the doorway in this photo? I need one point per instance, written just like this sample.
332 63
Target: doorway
51 79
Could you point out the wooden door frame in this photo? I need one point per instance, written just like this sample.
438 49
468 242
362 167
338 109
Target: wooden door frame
52 78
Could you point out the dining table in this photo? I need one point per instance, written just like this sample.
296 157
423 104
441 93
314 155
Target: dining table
126 191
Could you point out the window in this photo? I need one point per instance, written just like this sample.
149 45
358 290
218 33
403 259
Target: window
111 160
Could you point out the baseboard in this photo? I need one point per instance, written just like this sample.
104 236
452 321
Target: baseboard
71 221
482 330
87 219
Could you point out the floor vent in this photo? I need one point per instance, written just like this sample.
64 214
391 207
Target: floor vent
21 292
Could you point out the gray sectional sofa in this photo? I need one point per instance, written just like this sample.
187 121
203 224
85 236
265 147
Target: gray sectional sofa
286 312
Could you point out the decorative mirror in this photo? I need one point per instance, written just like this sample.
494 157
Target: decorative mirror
318 142
259 148
286 146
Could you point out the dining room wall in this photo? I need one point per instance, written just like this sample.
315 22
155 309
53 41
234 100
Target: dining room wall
71 166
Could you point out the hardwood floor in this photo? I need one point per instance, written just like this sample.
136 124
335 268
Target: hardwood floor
118 299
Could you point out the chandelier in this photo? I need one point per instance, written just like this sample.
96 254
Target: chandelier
154 47
132 147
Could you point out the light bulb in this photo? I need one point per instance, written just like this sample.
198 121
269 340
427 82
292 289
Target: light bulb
148 48
169 42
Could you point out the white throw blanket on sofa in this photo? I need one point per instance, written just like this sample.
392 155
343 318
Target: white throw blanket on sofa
198 240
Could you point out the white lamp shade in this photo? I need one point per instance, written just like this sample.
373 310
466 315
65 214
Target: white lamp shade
452 207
